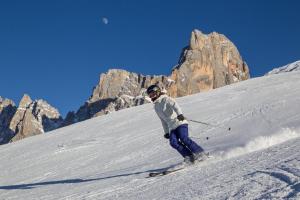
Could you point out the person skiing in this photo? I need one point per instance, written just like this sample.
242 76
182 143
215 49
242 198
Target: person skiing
175 125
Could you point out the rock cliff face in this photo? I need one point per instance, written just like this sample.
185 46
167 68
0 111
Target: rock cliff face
117 89
34 117
210 61
7 111
30 118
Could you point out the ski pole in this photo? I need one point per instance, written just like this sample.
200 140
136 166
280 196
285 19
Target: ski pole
200 122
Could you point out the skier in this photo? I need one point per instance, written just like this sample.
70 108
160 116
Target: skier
175 125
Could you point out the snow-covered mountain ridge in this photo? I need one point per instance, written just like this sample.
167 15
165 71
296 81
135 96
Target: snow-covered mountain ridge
108 157
295 66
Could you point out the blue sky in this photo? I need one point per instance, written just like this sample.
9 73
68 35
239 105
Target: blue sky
56 49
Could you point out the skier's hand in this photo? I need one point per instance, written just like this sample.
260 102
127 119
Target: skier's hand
167 135
180 117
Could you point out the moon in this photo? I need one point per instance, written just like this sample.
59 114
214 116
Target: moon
104 20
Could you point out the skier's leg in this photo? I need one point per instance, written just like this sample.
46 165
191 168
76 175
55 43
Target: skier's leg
176 144
182 132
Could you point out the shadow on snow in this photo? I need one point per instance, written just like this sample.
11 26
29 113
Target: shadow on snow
72 181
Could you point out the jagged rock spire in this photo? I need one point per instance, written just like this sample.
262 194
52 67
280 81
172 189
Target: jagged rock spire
33 117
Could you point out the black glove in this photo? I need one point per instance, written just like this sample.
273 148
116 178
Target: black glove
167 135
180 117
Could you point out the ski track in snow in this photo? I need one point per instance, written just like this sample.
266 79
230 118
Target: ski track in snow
108 157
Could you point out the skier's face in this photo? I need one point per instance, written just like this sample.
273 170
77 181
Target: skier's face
153 95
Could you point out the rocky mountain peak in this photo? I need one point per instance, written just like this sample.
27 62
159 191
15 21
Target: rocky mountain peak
7 111
25 101
117 89
197 40
4 102
114 83
210 61
30 118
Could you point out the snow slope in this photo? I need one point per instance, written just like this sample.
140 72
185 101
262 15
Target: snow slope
108 157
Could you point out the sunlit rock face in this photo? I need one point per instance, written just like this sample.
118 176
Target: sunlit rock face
33 118
210 61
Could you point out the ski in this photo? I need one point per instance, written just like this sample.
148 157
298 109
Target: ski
163 173
176 168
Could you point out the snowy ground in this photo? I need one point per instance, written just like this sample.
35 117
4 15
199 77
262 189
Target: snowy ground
108 157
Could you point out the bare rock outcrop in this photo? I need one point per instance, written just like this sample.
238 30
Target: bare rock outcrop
7 111
117 89
33 118
210 61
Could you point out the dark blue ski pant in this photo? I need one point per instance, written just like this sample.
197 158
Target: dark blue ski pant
179 140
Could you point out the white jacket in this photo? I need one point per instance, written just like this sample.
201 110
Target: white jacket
167 110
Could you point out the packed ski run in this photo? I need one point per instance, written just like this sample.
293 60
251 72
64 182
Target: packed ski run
109 157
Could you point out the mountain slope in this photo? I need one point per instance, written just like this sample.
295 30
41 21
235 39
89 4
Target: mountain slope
108 157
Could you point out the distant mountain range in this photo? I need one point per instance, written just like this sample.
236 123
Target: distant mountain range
209 61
